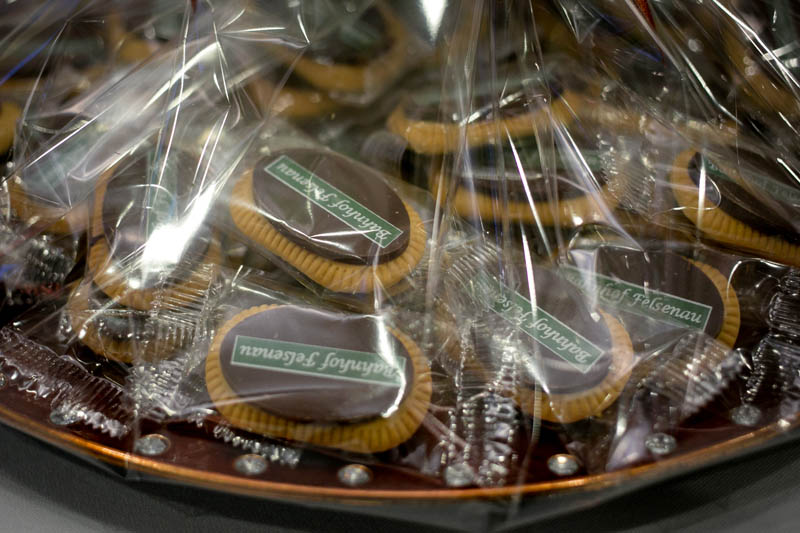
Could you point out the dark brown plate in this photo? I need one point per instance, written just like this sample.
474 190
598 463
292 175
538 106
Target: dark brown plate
194 457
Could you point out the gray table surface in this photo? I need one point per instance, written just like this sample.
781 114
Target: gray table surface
43 489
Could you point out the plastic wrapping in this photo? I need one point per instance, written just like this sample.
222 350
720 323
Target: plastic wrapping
376 250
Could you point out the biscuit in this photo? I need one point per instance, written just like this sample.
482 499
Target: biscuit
427 135
59 220
335 70
572 362
567 408
354 235
122 334
656 293
282 371
571 197
586 208
729 213
116 264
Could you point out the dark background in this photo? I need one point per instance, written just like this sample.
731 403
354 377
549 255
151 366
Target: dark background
44 489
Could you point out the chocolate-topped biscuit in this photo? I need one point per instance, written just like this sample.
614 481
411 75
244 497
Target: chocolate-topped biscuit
656 293
337 222
571 193
121 333
326 378
133 208
139 206
426 118
735 200
749 204
361 56
484 177
574 358
311 225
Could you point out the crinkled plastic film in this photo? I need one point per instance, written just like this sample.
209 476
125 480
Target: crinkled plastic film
375 250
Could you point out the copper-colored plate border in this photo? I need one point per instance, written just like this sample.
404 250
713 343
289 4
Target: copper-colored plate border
259 488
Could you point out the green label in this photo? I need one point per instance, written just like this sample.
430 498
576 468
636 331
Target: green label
360 218
779 191
540 325
640 300
321 361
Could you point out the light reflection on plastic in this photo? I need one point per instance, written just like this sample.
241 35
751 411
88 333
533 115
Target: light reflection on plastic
387 352
434 12
167 243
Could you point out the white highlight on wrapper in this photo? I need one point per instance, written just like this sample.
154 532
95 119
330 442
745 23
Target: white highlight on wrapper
166 245
434 13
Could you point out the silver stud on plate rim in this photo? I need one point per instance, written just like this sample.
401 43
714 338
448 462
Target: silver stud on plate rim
563 464
354 475
151 445
747 415
250 464
660 443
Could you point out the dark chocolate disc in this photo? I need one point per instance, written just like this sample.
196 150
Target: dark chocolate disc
656 293
312 365
724 192
484 176
562 345
363 221
356 42
144 203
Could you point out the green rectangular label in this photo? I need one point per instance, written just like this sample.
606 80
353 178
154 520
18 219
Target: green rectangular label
322 361
540 325
640 300
772 187
357 216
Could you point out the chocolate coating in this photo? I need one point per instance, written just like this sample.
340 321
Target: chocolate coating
313 228
313 397
658 270
140 200
484 176
740 204
562 300
356 43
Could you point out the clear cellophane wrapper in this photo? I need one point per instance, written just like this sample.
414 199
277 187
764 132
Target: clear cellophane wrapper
468 250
